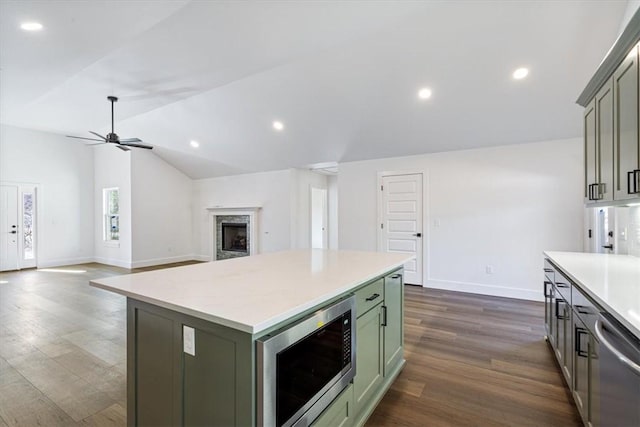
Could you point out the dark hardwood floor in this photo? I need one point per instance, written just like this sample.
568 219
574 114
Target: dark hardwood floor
471 360
475 360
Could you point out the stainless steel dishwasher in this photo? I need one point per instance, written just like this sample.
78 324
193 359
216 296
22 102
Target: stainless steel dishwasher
619 374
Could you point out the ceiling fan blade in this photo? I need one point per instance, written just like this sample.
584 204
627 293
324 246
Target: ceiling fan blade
123 148
129 144
98 135
130 140
81 137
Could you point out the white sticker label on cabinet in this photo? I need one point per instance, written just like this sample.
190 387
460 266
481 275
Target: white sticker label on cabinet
189 340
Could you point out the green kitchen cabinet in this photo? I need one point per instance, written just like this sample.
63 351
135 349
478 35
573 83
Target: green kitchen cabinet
392 321
369 358
214 383
626 139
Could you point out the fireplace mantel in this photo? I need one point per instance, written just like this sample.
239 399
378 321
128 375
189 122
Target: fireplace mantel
250 211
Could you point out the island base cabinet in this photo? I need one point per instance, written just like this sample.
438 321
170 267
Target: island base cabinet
169 387
340 413
369 363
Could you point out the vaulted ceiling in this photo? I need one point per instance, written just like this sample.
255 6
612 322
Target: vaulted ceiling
342 76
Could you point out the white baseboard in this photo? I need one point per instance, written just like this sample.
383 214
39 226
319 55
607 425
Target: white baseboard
484 289
60 262
160 261
113 262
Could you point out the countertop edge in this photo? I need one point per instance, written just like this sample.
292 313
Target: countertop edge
259 327
620 318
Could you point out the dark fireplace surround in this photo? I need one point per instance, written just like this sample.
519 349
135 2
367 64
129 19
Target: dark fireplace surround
232 236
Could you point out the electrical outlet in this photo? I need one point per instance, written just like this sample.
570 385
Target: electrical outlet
489 269
436 223
189 340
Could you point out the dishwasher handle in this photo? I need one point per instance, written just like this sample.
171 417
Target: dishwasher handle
624 359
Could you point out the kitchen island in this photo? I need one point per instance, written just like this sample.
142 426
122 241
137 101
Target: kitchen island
192 331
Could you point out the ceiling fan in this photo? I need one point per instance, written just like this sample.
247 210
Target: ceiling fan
113 138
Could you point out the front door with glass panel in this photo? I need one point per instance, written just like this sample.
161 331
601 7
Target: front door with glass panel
17 226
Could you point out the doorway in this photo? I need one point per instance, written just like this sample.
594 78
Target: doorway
400 220
319 215
18 226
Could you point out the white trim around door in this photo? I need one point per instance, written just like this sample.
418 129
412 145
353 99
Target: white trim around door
400 225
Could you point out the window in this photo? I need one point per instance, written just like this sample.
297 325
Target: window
111 213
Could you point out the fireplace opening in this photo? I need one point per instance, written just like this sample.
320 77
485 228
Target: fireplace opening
234 237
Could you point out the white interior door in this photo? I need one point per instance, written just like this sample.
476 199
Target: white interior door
401 221
9 228
319 214
17 226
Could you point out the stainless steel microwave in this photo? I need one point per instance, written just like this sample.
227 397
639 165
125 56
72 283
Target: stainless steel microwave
303 367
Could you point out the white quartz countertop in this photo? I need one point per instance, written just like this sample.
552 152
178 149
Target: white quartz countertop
253 293
613 281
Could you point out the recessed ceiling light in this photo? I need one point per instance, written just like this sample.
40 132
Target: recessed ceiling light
424 93
31 26
520 73
278 125
194 144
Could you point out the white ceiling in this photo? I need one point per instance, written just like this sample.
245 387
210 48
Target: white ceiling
341 75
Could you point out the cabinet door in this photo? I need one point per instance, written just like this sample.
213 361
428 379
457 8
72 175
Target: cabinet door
625 113
581 368
393 322
568 345
369 363
590 151
604 134
552 331
560 309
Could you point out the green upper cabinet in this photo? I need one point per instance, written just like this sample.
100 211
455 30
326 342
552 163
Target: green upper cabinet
393 322
612 136
591 173
604 134
626 142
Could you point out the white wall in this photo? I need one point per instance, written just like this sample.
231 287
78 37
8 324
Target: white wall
498 206
63 170
271 190
332 197
112 168
301 182
160 211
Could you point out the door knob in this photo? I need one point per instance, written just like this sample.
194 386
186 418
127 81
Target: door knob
418 234
608 247
13 232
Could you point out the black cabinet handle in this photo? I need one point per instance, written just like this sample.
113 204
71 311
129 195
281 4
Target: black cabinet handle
548 270
547 294
582 309
384 315
372 297
579 332
396 276
632 181
563 317
562 285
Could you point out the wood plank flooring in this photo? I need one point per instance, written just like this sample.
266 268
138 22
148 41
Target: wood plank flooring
471 360
475 360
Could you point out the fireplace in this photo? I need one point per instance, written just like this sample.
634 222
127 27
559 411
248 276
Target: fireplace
234 237
234 231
